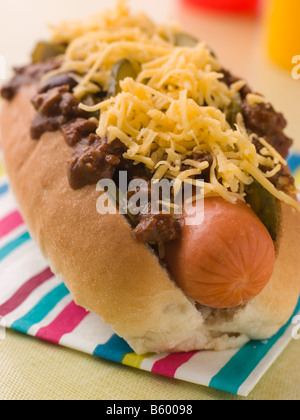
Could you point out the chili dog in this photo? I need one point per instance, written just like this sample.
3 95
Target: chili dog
163 285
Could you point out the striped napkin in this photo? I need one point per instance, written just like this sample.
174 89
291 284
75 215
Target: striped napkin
35 302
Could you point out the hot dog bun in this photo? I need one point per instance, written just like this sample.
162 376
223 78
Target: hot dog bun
110 273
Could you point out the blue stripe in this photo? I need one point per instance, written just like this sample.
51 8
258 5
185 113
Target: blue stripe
11 246
39 312
115 349
239 368
4 189
294 161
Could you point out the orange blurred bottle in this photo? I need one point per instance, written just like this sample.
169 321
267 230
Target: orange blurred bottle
284 32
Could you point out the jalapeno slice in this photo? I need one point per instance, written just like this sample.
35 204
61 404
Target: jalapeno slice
122 69
185 40
45 50
264 205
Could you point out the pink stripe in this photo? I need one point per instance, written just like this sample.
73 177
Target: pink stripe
65 323
25 291
169 365
10 222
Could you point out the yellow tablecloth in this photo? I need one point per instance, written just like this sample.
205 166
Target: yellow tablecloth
32 369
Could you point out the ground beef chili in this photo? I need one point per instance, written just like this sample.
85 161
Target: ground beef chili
77 129
229 79
27 75
157 228
262 119
59 80
94 158
90 163
54 108
283 179
204 157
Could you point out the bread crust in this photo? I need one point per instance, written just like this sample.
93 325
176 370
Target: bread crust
115 276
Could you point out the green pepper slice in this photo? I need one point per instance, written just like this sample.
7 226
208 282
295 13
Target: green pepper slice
264 205
185 40
45 50
122 69
231 112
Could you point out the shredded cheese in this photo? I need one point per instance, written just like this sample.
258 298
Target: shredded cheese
175 108
254 99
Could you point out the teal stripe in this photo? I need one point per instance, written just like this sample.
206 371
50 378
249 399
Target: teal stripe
239 368
11 246
115 349
39 312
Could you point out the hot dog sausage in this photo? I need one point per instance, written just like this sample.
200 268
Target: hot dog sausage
225 260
